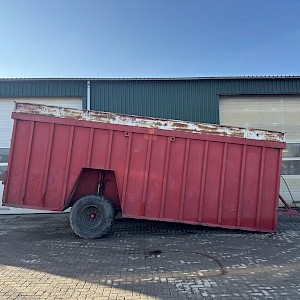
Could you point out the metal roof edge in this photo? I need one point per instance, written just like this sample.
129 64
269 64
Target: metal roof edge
153 78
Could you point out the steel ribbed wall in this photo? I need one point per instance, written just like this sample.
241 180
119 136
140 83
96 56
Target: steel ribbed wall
42 88
195 99
185 100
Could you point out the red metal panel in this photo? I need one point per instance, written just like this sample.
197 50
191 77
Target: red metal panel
233 180
213 183
185 169
146 176
220 204
37 165
62 136
67 168
193 181
27 160
77 159
123 189
90 148
203 182
165 178
136 174
47 163
118 160
154 192
241 186
109 150
174 179
100 150
18 163
269 189
250 187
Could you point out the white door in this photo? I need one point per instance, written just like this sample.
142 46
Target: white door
280 113
6 125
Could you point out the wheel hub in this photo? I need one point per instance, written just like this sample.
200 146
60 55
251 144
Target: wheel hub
91 216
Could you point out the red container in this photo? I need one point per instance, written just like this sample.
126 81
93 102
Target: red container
148 168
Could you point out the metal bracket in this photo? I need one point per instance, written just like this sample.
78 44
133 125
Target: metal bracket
287 210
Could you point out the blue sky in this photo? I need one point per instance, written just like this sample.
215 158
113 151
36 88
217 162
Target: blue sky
149 38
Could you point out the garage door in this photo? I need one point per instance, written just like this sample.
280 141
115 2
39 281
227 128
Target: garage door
6 125
275 113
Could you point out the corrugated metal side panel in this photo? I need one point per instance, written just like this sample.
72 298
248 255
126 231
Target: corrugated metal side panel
183 100
42 88
190 180
192 100
257 86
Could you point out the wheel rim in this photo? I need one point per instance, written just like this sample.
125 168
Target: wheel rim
91 216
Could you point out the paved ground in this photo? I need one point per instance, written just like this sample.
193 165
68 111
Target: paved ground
40 258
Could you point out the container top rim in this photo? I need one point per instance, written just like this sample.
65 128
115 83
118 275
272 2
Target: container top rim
149 122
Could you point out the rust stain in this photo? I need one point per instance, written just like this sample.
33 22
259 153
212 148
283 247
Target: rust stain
148 122
151 131
180 125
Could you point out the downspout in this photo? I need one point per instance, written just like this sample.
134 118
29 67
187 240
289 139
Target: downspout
88 95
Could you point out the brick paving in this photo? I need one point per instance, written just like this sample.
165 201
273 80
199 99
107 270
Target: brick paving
41 258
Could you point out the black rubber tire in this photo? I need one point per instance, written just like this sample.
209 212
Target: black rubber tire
92 216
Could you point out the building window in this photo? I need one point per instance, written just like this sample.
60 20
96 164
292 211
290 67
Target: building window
291 159
3 161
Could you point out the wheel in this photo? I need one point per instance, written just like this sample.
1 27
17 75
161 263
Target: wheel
92 216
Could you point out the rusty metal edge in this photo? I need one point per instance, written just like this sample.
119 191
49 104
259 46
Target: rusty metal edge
149 122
